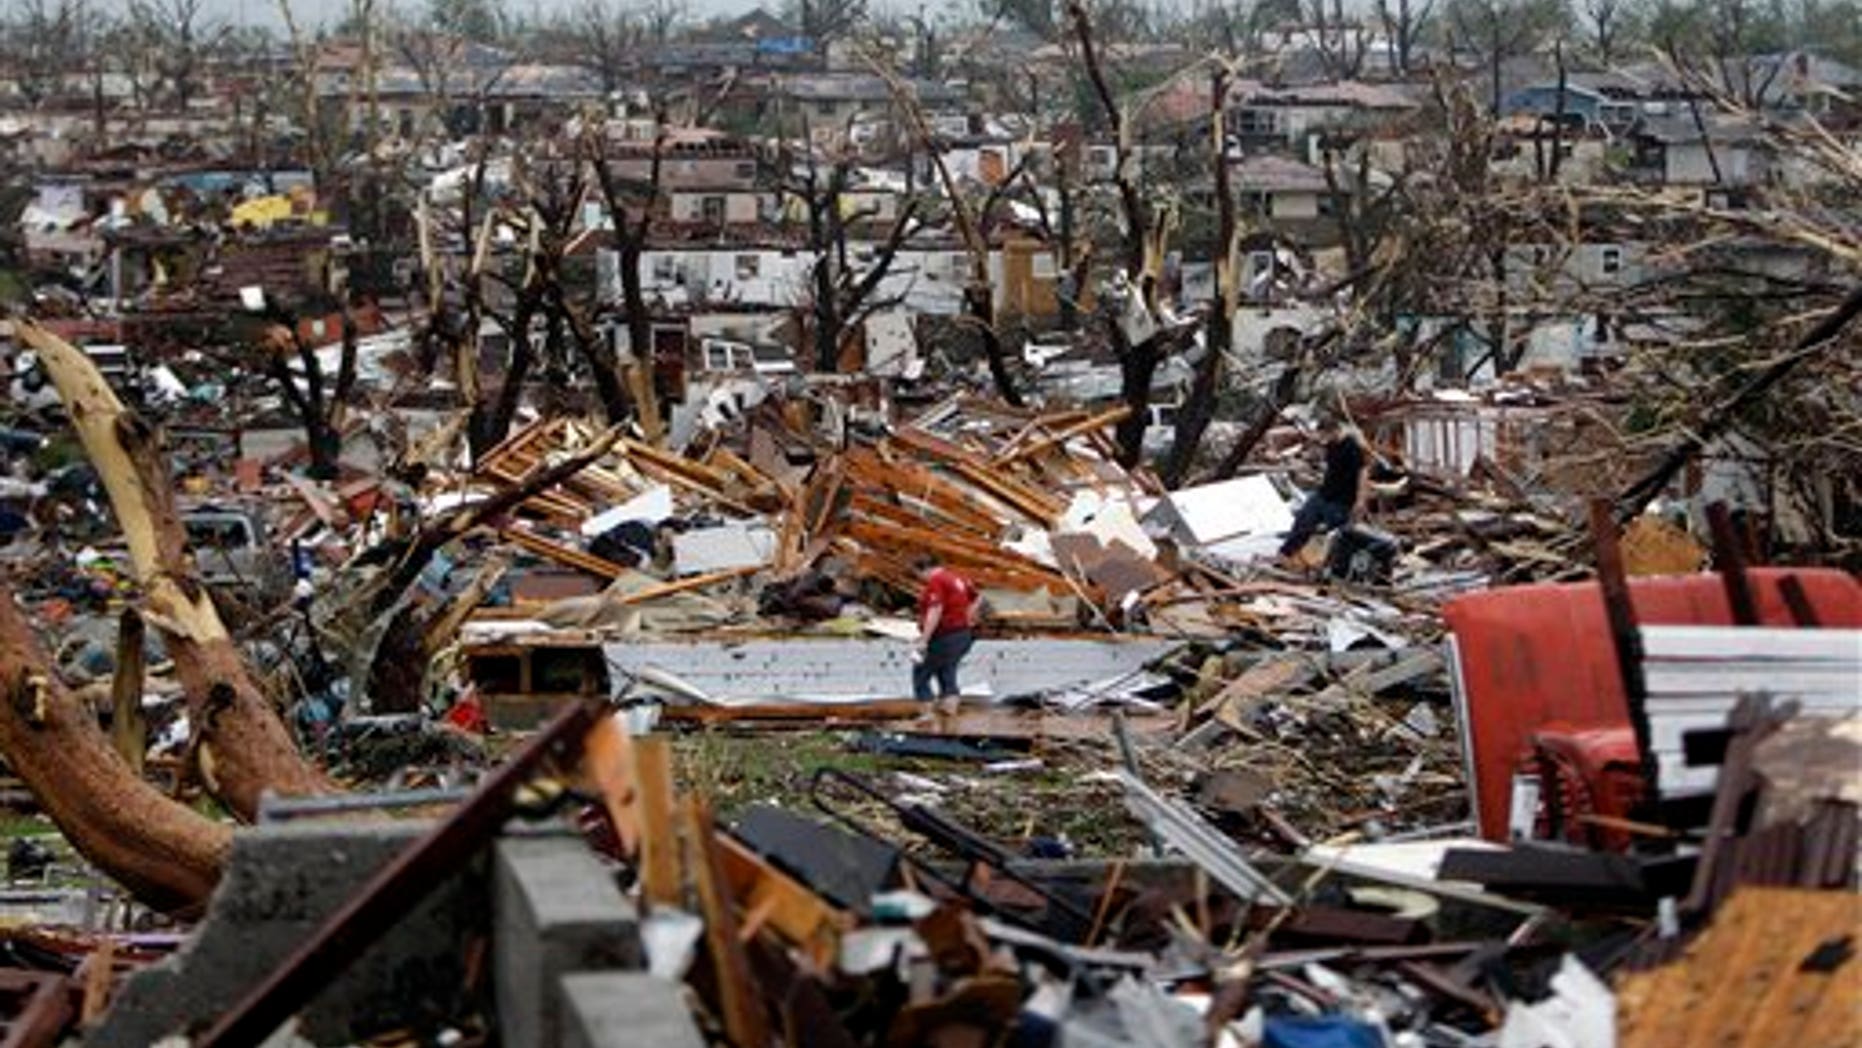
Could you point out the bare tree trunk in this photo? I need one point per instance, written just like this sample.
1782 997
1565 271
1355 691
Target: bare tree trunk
1278 399
166 854
979 303
244 748
1193 421
491 415
128 732
1143 253
611 385
639 342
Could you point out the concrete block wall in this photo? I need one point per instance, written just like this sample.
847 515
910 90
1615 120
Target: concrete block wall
565 945
281 882
620 1009
555 910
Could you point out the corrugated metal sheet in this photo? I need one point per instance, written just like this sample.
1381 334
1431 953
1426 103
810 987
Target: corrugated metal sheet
842 669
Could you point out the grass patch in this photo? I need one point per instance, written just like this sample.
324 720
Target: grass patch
737 770
24 824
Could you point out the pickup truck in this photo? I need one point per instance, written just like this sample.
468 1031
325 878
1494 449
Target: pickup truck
231 550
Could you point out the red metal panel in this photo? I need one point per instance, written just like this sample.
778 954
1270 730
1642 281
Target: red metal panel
1530 656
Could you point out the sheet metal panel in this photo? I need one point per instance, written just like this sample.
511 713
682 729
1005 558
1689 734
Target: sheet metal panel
853 669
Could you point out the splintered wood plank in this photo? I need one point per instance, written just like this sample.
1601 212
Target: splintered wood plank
1745 983
660 876
99 974
1261 679
1038 505
1097 422
813 714
691 582
740 1002
784 904
561 554
608 756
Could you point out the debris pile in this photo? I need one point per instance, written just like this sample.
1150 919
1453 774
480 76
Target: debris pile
1199 793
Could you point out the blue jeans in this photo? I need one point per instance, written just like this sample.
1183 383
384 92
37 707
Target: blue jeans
1313 514
942 655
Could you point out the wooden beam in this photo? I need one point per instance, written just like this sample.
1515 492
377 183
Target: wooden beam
790 908
1625 638
739 1002
667 589
660 876
569 556
1803 612
1081 428
1729 559
813 712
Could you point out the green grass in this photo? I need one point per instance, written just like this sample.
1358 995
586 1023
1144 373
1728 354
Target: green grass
24 824
737 770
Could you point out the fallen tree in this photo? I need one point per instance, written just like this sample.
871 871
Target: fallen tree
168 855
242 745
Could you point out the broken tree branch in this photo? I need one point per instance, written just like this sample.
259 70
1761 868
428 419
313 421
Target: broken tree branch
1814 342
166 854
244 747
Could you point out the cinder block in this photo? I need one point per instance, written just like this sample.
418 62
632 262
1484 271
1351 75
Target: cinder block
625 1010
555 910
281 882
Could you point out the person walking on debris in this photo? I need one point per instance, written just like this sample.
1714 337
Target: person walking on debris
946 607
1337 500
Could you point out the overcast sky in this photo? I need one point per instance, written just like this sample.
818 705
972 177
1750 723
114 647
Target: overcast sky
265 12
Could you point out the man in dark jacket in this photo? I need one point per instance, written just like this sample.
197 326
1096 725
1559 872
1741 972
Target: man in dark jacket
1338 496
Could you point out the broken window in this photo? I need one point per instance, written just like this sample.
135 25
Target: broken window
728 356
1258 122
748 266
1611 260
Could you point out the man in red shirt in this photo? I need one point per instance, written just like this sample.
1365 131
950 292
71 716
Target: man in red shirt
945 610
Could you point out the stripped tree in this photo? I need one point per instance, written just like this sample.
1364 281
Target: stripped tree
241 744
632 204
1143 234
168 855
1199 410
842 293
973 225
318 399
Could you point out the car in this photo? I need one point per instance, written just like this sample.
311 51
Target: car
231 550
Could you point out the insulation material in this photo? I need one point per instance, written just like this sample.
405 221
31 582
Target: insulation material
723 548
652 505
1240 519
